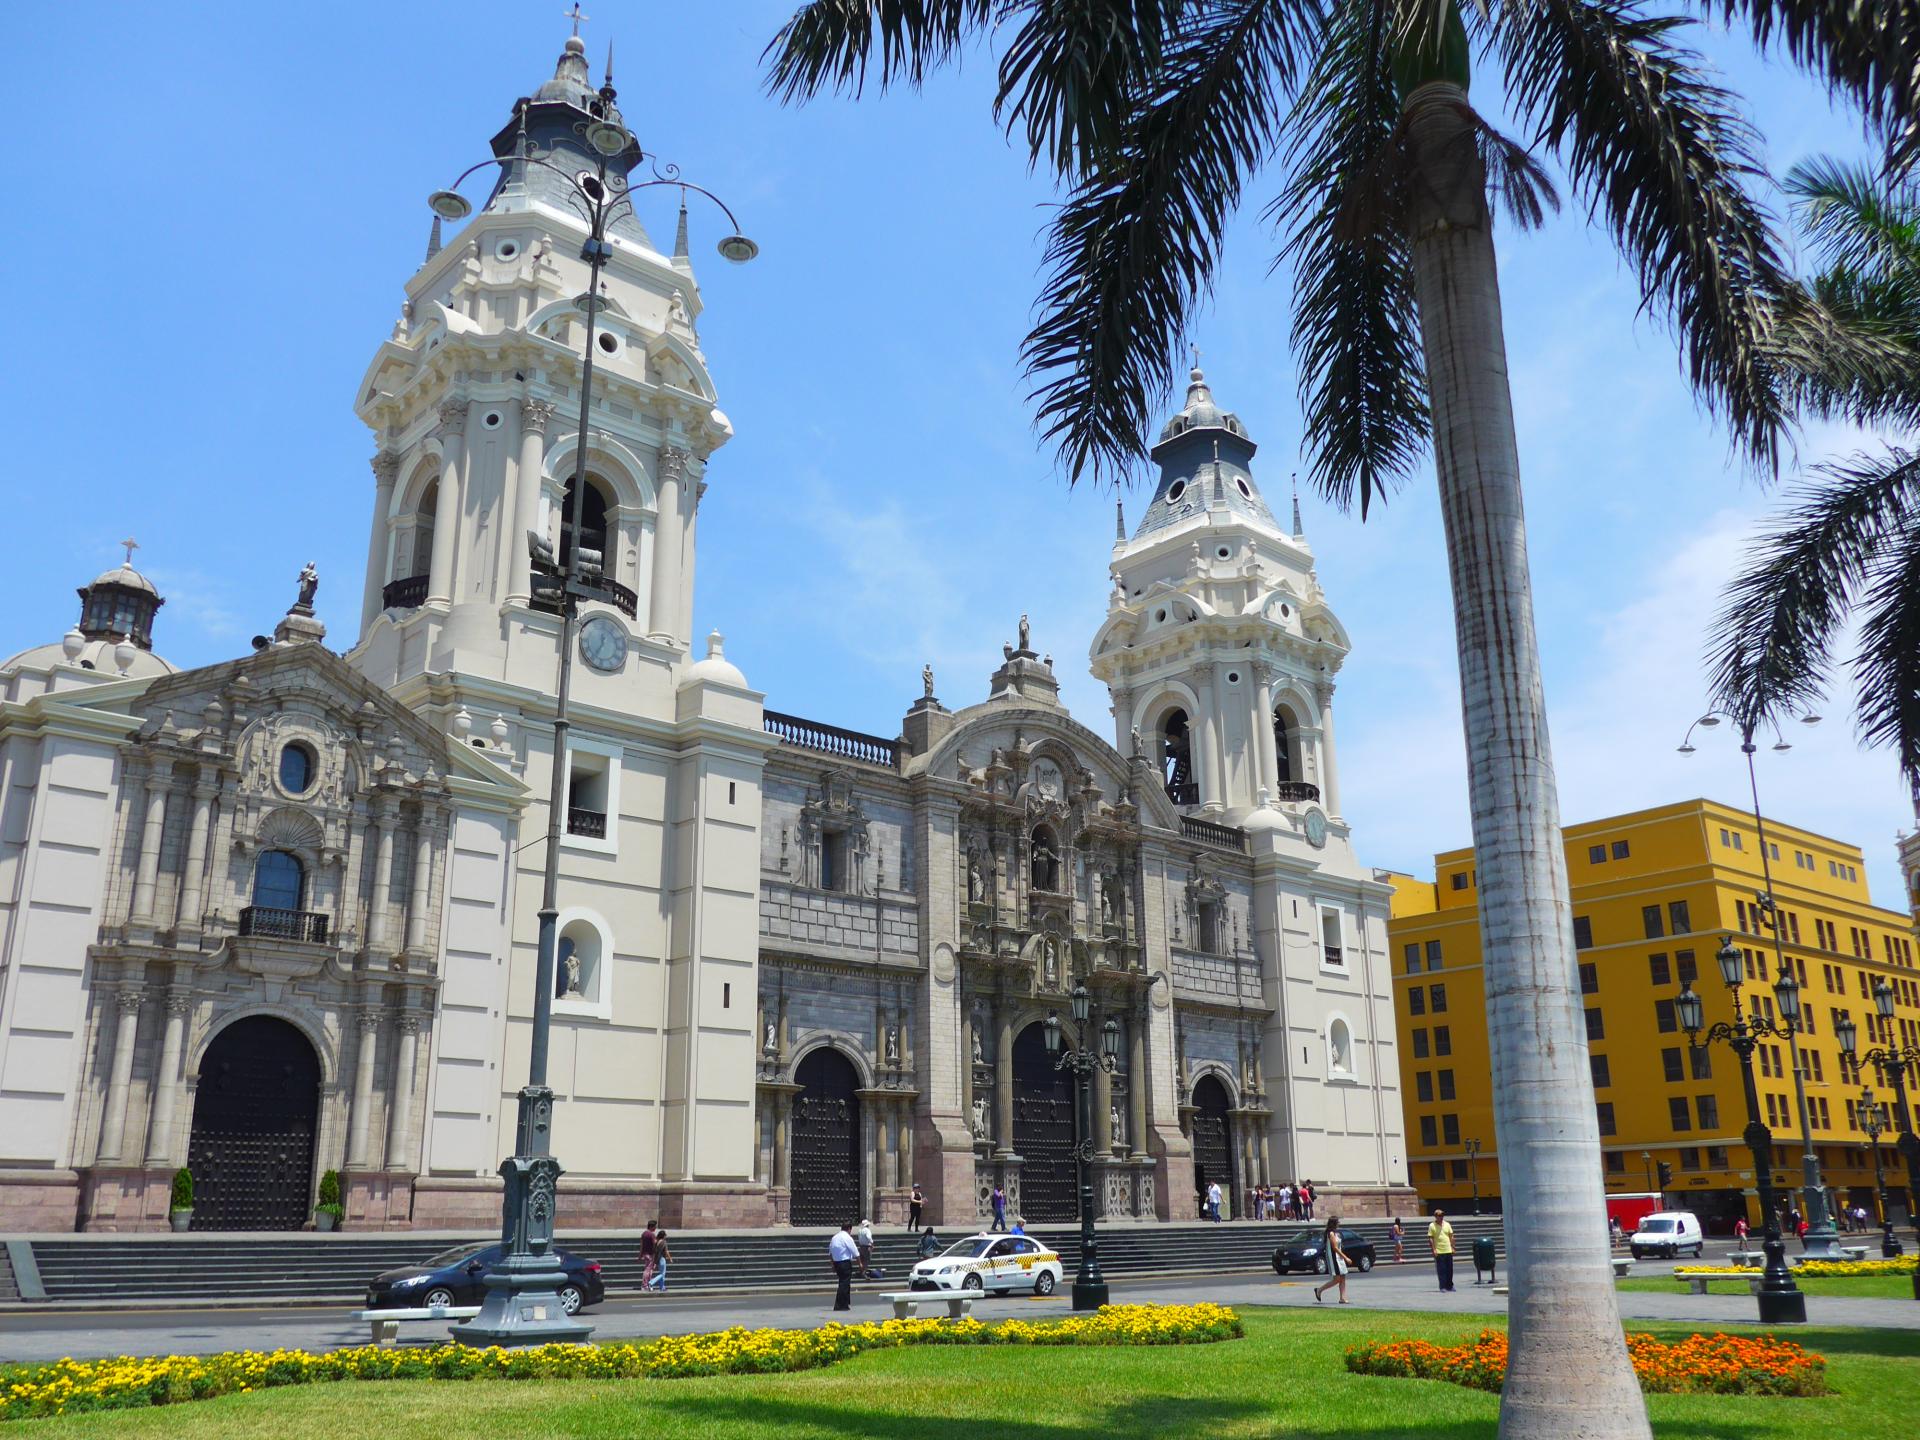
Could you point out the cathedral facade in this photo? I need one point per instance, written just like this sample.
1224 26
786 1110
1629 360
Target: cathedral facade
277 916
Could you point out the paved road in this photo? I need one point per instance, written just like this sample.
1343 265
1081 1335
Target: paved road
57 1332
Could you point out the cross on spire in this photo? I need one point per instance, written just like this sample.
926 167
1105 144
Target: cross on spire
577 17
1196 355
132 545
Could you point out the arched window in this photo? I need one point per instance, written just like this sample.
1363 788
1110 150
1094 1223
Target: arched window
1046 859
279 880
577 963
1339 1047
1286 743
585 513
1176 759
420 562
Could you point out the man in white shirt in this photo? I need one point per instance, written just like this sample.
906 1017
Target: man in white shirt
843 1251
1213 1200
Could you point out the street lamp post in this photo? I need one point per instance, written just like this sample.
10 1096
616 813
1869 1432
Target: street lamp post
1821 1238
1089 1286
1473 1171
1781 1302
1646 1159
1874 1126
1890 1063
522 1305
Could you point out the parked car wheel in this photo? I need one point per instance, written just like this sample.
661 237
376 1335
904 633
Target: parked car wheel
570 1299
1366 1263
973 1282
1279 1262
1321 1268
439 1295
1043 1283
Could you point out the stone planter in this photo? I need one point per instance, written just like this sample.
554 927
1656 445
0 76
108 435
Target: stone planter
181 1220
323 1220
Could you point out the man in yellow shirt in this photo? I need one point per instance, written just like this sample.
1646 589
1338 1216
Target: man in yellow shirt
1440 1238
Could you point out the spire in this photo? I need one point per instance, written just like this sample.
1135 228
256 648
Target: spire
680 231
433 240
1299 531
1119 519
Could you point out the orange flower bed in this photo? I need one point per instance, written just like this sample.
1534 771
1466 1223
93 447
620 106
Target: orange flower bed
1699 1364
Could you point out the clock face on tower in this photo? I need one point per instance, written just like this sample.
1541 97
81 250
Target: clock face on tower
603 644
1316 829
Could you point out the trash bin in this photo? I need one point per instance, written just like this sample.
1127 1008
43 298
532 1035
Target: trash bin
1483 1258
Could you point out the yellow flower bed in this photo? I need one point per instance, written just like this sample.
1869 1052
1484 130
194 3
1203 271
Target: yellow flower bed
69 1386
1816 1269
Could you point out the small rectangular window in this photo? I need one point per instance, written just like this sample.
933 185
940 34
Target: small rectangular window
730 792
1437 999
1716 1157
1450 1129
1701 1062
1429 1132
1616 1163
1679 917
1330 949
1596 1027
1596 854
1457 1169
1670 1062
1679 1118
1589 978
1416 1000
1664 1019
1603 1111
1620 850
1413 957
1420 1044
1582 932
1442 1040
1708 1109
1658 971
1433 955
1689 1157
1650 920
726 995
1423 1086
1602 1077
1436 1170
1684 967
1446 1084
1459 880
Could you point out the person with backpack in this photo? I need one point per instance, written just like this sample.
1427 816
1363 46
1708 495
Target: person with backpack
661 1255
649 1243
929 1247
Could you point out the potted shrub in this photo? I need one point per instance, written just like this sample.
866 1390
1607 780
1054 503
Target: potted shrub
328 1213
180 1208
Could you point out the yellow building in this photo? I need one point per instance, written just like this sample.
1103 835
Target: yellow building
1654 892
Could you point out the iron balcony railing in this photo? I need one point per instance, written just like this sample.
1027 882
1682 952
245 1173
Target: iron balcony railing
1184 792
1207 832
611 591
832 740
272 923
1296 790
590 823
407 594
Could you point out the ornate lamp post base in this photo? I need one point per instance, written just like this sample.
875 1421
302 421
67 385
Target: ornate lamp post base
1089 1294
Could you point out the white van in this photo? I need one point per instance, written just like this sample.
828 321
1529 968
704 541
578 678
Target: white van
1667 1232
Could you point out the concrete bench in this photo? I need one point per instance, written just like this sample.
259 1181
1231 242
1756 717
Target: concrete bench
386 1323
1697 1284
906 1303
1622 1265
1750 1259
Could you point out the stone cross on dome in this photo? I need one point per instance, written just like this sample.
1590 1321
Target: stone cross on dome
577 17
132 545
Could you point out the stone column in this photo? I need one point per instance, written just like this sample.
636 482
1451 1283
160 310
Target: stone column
1266 1152
885 1126
1329 768
1003 1076
664 596
1265 745
903 1141
386 469
113 1124
782 1121
1212 784
193 886
966 1061
400 1093
446 509
166 1082
422 890
379 904
1137 1083
360 1119
528 473
1221 690
152 831
1102 1093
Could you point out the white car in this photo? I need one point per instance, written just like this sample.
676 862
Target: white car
991 1262
1667 1232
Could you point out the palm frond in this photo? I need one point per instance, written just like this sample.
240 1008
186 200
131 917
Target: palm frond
1850 351
828 44
1664 158
1363 389
1887 670
1135 243
1868 49
1859 221
1772 642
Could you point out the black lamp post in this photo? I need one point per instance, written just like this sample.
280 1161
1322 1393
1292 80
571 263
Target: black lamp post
1874 1125
1822 1239
1473 1171
522 1305
1781 1302
1089 1286
1890 1063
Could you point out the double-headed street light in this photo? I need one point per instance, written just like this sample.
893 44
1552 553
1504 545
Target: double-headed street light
1473 1171
1781 1302
1891 1063
1089 1286
1821 1239
522 1304
1872 1122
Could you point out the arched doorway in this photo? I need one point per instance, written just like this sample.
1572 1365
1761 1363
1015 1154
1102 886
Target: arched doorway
254 1118
826 1141
1212 1143
1043 1132
1176 759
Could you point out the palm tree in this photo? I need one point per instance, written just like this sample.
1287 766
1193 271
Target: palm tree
1156 115
1848 542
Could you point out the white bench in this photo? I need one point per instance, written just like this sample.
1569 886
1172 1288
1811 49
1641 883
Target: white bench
386 1323
1697 1284
1622 1264
1852 1252
1749 1259
906 1303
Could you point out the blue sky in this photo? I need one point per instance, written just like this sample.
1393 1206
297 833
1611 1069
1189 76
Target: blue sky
215 209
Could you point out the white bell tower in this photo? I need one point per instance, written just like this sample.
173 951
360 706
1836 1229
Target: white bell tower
1219 648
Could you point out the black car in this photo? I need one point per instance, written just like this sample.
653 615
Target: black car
1305 1251
456 1276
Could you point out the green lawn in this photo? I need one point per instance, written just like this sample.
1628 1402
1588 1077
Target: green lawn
1851 1287
1285 1379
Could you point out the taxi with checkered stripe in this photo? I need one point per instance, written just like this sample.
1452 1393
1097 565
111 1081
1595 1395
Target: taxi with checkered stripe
991 1262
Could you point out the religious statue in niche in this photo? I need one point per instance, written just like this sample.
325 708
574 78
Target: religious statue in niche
1050 962
309 584
1119 1130
893 1045
982 1118
978 1058
571 967
976 879
1113 897
1046 861
771 1044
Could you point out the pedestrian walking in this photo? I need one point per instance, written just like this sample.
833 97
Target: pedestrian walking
863 1239
842 1251
1213 1201
999 1207
929 1247
1306 1200
1614 1236
1440 1241
649 1241
1740 1233
1286 1202
1019 1225
1336 1262
1398 1234
661 1255
914 1202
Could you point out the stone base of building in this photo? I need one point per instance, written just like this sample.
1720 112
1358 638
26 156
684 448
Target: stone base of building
125 1198
379 1199
474 1204
1365 1202
890 1206
1174 1198
39 1202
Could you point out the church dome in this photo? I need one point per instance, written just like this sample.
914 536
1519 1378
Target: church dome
716 668
1205 457
114 635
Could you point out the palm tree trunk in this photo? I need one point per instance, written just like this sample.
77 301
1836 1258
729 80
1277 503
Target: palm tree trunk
1568 1374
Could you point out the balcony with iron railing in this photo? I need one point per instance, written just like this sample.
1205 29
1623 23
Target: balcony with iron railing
1288 791
832 740
270 923
599 587
591 824
407 594
1227 837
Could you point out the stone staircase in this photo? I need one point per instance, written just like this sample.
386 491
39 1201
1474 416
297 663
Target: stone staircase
243 1270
